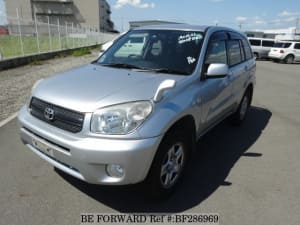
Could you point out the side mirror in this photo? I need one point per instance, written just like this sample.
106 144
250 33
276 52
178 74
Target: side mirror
165 85
217 70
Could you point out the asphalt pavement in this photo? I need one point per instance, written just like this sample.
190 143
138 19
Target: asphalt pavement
248 175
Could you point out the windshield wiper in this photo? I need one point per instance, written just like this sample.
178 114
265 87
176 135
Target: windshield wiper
122 65
170 71
159 70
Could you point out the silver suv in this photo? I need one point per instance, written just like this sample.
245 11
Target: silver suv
136 113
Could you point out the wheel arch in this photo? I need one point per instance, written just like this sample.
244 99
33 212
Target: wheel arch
185 125
288 55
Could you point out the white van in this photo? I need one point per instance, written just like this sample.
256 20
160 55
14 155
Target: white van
261 46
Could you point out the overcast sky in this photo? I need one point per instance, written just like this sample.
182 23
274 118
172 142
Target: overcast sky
250 14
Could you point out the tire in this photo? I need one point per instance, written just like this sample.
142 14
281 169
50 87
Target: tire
289 59
168 166
241 113
256 56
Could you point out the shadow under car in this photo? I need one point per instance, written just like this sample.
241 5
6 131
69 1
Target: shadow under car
217 152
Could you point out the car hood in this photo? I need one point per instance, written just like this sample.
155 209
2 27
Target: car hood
91 87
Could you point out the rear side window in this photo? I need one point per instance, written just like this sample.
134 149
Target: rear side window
247 48
254 42
268 43
297 46
234 52
282 45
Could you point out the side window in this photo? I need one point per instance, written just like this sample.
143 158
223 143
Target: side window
216 52
255 42
297 46
234 52
247 48
242 51
268 43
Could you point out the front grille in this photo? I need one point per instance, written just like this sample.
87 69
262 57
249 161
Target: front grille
64 119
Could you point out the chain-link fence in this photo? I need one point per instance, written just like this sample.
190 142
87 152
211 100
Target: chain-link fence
22 37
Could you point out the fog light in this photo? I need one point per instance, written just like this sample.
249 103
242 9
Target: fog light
115 170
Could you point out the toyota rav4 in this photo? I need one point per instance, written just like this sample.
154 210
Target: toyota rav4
136 113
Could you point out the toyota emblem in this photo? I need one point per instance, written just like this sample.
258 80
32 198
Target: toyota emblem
49 114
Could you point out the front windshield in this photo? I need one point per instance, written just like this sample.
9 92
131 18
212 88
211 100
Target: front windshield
165 51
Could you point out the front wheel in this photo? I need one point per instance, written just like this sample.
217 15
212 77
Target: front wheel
241 113
168 165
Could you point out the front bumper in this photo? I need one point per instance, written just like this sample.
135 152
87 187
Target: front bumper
86 157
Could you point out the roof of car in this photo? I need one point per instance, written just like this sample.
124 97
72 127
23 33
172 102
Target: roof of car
173 27
186 27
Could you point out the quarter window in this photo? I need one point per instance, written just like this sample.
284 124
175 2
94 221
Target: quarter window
297 46
247 48
234 52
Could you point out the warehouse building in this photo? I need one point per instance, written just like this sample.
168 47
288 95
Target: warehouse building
92 13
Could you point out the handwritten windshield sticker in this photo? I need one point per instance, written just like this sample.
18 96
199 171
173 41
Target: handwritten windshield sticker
190 60
189 37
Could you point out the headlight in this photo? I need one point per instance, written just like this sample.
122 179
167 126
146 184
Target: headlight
120 119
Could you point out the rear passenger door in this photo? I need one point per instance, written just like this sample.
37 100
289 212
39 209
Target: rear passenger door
239 64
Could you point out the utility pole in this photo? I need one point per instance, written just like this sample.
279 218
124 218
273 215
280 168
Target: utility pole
297 25
240 26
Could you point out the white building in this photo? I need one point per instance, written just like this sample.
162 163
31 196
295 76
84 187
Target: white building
290 33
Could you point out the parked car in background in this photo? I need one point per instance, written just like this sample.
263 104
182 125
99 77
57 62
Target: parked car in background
261 47
136 113
285 51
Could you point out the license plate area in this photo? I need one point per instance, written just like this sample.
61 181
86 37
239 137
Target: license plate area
43 147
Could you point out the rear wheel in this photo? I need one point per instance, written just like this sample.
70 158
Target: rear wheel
256 56
241 113
289 59
168 165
